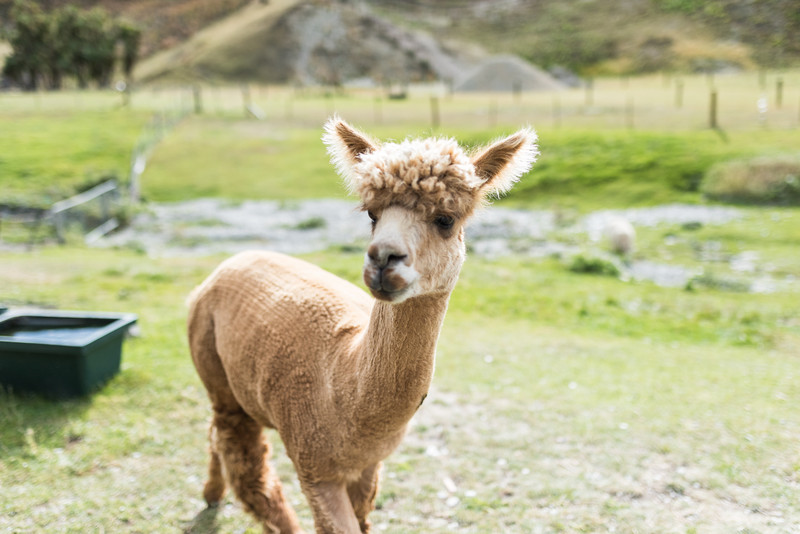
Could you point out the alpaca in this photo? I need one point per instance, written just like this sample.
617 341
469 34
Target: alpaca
621 235
283 344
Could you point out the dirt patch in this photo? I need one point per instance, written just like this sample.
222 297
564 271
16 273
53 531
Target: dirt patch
497 467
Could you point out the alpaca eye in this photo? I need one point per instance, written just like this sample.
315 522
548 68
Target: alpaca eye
372 217
444 222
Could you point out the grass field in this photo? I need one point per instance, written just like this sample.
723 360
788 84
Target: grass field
591 403
653 154
51 155
562 402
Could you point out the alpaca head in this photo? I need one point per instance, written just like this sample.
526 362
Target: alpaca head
418 195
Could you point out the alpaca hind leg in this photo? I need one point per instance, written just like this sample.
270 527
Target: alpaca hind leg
244 452
362 495
215 485
202 345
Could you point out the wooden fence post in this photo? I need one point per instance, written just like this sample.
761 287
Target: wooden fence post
629 113
198 99
679 94
435 116
779 93
712 115
589 92
377 110
556 111
247 99
58 221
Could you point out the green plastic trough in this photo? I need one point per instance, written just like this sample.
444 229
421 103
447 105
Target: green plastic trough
59 353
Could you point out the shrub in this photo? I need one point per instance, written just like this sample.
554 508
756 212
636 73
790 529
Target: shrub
310 224
593 264
764 180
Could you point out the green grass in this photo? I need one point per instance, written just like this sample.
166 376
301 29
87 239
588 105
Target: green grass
50 156
239 159
563 399
64 142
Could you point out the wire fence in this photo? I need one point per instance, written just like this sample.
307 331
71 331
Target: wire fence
742 100
95 212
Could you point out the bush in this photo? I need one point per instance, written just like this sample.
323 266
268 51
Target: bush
764 180
593 264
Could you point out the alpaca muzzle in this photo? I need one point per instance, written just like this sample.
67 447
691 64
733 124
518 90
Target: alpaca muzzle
386 272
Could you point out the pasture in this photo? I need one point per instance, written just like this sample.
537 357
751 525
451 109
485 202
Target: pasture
562 401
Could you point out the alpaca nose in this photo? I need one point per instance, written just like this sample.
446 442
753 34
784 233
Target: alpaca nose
385 254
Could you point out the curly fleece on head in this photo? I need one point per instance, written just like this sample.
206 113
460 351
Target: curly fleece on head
434 176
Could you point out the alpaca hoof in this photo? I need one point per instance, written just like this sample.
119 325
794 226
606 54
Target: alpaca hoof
213 494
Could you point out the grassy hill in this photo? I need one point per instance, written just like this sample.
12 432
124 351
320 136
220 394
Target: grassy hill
616 36
232 47
231 38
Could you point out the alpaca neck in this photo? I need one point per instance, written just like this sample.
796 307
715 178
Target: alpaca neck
397 359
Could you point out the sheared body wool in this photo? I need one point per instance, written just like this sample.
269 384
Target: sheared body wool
283 344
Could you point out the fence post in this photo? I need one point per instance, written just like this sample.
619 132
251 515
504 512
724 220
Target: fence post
712 115
330 102
779 93
589 92
435 116
629 113
377 111
58 220
679 94
492 113
105 206
246 99
556 111
198 99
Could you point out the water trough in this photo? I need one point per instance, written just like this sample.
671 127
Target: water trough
60 353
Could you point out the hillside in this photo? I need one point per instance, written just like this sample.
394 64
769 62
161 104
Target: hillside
295 41
617 36
332 41
589 36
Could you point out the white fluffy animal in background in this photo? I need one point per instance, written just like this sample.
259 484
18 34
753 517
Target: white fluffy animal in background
621 235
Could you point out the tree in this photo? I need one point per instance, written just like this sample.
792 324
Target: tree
27 65
68 42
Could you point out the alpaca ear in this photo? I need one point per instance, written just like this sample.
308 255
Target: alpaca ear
346 145
502 163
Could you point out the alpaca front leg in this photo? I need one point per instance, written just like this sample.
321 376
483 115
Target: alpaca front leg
333 512
362 495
